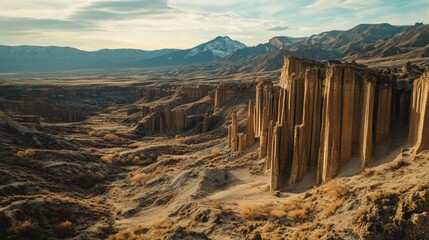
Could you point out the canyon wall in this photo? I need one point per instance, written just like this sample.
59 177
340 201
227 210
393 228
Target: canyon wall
165 118
322 116
419 117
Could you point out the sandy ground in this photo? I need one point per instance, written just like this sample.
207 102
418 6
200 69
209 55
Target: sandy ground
184 185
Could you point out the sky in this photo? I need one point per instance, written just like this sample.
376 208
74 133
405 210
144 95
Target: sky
157 24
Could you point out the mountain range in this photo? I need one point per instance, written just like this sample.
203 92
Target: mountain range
365 41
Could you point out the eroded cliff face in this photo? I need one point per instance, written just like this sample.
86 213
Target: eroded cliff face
322 116
419 117
168 117
61 104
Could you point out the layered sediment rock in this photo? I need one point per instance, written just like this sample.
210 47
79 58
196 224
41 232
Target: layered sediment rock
250 135
240 141
233 137
198 92
159 121
419 117
227 92
326 116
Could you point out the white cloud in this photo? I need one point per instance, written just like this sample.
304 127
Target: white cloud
319 5
151 24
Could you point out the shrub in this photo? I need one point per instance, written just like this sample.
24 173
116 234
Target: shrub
93 133
278 213
65 226
215 152
336 190
140 178
107 159
330 208
25 227
28 153
254 211
113 138
298 215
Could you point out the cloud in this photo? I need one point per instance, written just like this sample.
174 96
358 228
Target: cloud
120 10
151 24
319 5
32 25
278 28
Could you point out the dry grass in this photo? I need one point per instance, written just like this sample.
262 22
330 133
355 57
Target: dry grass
140 178
278 212
252 211
25 227
107 159
298 215
215 152
93 133
397 165
328 209
113 138
380 194
157 230
336 189
367 172
66 225
25 154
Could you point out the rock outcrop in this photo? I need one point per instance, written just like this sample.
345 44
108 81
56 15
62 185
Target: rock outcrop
326 116
419 117
165 120
226 93
240 141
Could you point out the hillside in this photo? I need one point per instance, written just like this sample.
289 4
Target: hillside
365 42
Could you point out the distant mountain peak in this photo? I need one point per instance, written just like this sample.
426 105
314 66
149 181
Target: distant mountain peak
220 47
222 37
283 42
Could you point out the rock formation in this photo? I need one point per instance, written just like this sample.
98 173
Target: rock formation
196 93
227 92
326 116
250 135
419 117
234 132
164 120
240 141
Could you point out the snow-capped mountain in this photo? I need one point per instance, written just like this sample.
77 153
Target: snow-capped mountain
213 50
283 42
220 47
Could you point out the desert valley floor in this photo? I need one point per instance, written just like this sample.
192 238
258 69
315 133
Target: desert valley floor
78 162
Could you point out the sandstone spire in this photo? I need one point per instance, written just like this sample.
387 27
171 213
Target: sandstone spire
419 119
250 137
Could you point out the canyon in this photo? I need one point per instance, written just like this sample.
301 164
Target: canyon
317 149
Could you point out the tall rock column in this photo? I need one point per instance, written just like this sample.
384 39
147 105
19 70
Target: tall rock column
382 126
331 123
264 135
168 118
419 121
259 107
366 136
234 132
306 135
250 137
179 119
270 144
349 97
242 142
276 178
